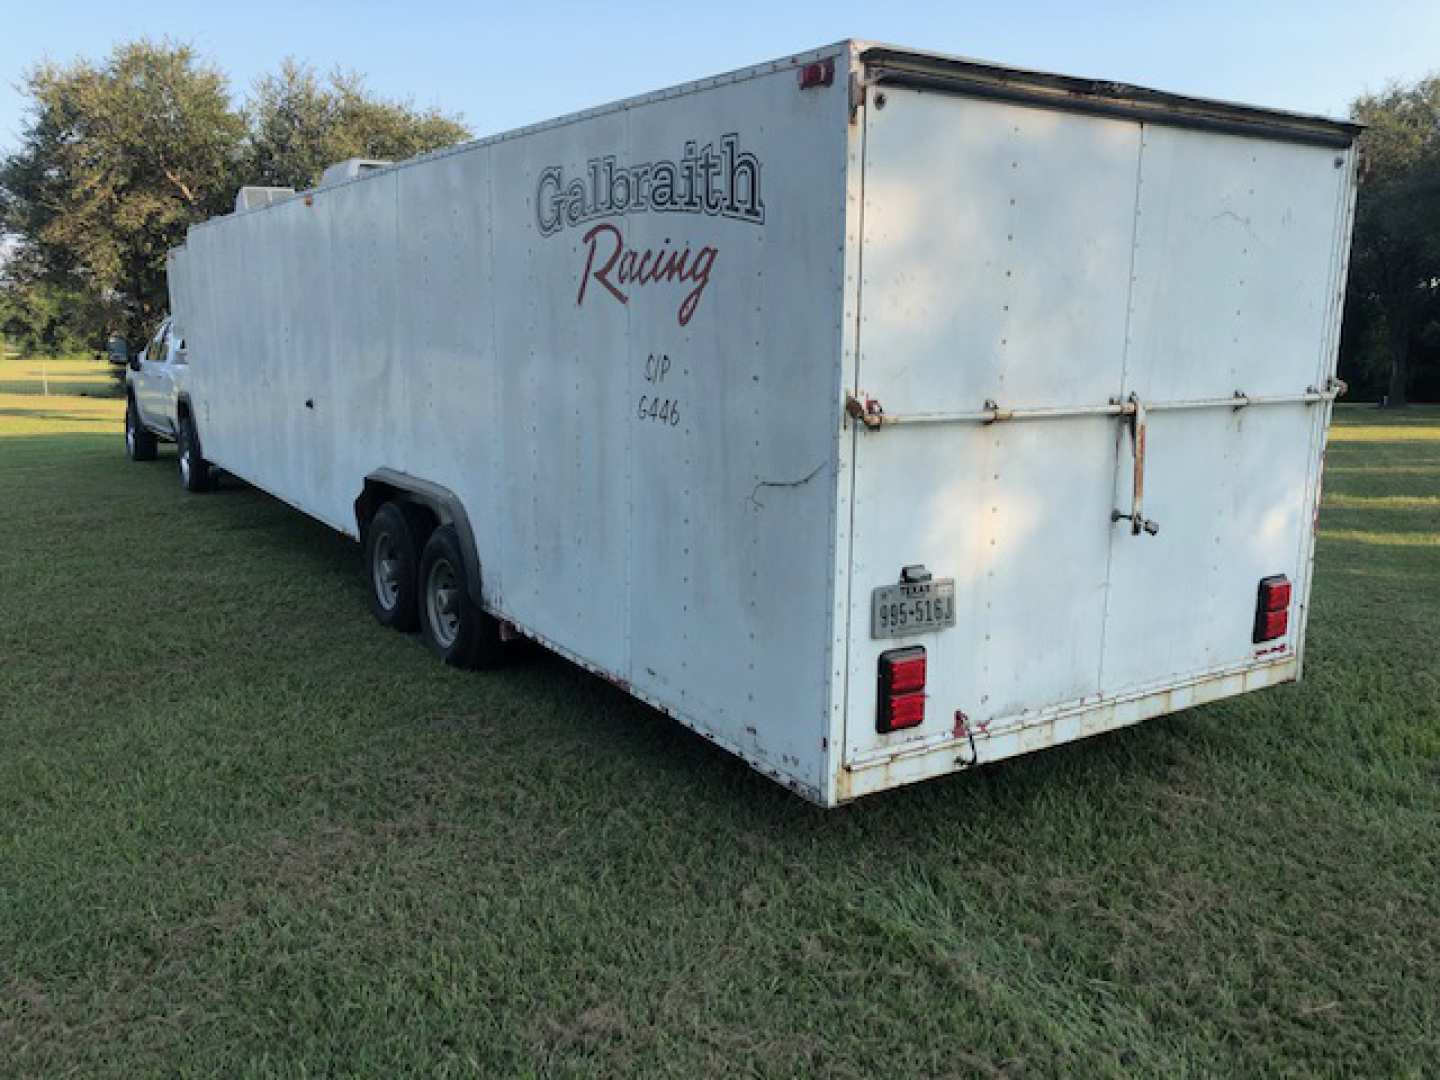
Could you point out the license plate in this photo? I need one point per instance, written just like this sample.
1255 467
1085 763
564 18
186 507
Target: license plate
912 607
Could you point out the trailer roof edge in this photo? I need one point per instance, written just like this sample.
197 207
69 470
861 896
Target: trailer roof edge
954 74
942 72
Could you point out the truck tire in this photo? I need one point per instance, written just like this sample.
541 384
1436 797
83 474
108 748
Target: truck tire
392 563
195 472
453 625
139 441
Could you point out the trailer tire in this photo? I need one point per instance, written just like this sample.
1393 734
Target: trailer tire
140 442
392 564
457 629
195 472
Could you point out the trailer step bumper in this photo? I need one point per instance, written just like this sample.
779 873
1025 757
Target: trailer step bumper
965 749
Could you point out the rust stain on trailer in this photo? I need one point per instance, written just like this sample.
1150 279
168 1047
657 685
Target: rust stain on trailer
868 410
1134 408
1136 521
996 412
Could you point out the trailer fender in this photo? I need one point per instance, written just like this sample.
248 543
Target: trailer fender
385 485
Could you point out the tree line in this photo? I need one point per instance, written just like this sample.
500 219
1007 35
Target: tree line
118 158
1390 348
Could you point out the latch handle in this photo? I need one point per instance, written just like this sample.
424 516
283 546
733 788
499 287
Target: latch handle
868 411
1149 527
1139 523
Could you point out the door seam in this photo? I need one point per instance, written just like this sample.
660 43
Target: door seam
844 749
1119 428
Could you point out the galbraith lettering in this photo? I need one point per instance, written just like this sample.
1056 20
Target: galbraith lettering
724 182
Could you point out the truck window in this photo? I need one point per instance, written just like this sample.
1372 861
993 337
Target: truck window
158 351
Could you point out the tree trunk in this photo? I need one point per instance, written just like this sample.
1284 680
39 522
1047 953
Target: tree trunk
1399 361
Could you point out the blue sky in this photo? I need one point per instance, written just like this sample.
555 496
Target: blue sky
504 65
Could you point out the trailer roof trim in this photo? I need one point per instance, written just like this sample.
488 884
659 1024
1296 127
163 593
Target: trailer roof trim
954 74
937 71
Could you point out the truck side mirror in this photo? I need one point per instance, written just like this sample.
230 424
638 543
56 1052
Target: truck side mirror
117 350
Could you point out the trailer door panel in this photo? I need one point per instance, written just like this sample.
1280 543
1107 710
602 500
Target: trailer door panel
996 261
1236 279
1046 297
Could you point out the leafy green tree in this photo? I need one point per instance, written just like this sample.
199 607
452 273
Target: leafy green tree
46 319
119 158
117 161
1395 264
299 125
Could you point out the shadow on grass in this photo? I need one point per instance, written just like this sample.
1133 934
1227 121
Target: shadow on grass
86 388
1383 470
55 416
1338 501
1389 538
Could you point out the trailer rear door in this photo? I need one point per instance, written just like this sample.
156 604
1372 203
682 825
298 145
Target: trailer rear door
1236 280
1042 293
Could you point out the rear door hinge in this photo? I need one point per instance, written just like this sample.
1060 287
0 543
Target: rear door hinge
857 94
866 410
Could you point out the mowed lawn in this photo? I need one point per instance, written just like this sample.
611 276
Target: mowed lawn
244 830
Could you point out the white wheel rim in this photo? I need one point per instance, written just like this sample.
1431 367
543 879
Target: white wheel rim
385 571
442 602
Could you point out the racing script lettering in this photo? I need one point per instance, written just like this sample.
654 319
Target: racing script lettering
620 269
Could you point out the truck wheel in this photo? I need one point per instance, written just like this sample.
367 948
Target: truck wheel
457 629
194 469
139 442
392 556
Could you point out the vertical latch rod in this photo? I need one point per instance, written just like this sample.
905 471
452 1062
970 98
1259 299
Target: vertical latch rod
1135 413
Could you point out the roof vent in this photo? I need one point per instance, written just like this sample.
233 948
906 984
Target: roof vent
253 198
350 169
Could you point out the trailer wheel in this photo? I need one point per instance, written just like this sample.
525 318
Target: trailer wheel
139 441
453 625
195 471
392 556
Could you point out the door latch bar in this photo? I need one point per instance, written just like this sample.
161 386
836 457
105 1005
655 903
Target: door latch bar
866 410
1138 522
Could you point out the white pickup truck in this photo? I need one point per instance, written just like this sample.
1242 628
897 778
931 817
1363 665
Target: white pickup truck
157 406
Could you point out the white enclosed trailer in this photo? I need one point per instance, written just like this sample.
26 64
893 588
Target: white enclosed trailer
872 412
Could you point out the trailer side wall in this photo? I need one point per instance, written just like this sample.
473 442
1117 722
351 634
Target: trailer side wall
649 466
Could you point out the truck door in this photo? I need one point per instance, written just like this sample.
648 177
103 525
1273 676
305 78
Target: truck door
153 380
178 356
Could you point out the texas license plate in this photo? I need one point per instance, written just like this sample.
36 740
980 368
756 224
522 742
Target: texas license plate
912 607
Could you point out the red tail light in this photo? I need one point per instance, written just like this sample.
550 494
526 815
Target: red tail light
1272 608
902 689
821 73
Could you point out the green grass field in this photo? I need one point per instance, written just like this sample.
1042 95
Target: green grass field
246 831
